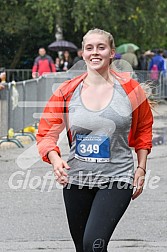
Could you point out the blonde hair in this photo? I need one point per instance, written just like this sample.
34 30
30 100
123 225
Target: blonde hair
148 89
101 32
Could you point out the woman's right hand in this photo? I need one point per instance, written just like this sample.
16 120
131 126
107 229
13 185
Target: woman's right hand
59 167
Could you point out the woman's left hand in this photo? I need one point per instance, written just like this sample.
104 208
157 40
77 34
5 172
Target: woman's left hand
138 183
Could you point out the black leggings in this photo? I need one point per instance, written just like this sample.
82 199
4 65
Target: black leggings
94 213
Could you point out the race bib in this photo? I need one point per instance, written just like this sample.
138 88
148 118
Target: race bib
92 148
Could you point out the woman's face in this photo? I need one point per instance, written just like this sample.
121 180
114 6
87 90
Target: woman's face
97 52
66 54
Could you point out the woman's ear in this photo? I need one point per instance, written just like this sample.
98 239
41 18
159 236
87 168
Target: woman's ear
112 53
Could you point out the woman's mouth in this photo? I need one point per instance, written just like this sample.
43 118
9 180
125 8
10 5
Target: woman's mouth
95 60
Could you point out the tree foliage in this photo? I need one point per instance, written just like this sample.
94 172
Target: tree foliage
25 25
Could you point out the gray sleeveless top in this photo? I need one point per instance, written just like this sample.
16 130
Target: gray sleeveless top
100 152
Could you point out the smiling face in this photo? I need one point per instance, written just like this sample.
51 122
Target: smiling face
97 51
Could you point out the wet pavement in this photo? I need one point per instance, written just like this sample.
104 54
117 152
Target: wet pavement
33 217
160 124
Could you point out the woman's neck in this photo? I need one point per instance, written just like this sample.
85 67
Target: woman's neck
96 78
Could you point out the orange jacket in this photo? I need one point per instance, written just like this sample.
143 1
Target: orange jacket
55 115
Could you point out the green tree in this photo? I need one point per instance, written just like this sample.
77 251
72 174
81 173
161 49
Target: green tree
25 25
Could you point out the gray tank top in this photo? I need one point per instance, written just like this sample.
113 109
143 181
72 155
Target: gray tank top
100 152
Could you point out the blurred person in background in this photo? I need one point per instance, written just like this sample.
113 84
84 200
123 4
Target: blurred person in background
131 57
2 79
78 57
57 64
43 64
1 86
66 61
157 68
158 60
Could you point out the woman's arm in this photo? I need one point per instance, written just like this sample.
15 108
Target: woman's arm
50 126
140 172
59 166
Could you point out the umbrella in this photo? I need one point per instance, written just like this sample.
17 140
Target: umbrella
124 47
62 45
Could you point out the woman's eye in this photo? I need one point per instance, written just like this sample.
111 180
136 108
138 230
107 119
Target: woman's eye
101 47
89 48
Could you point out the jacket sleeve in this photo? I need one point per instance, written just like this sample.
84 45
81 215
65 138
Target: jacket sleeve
50 126
34 68
143 133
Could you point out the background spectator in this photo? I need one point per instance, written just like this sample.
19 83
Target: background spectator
66 61
1 86
158 60
2 79
156 66
43 64
78 57
131 57
57 64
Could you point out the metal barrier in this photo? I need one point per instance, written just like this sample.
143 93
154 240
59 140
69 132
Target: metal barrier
21 104
4 97
158 88
162 90
18 74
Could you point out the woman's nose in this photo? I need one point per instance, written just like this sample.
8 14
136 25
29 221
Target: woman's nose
95 50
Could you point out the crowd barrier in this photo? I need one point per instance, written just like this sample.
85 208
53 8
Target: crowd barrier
18 74
21 103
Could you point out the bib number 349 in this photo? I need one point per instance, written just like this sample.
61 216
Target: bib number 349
90 148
